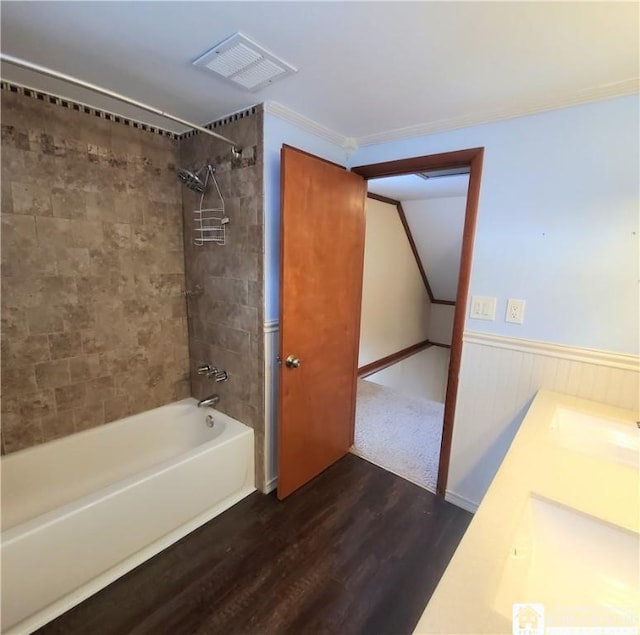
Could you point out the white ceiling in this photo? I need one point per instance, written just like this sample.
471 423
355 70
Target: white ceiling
368 70
411 187
436 226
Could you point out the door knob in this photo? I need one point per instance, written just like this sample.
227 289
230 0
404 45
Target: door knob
292 362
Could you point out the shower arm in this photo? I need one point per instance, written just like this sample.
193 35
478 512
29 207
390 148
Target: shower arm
16 61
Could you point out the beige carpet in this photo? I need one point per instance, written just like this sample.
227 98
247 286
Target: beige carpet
399 433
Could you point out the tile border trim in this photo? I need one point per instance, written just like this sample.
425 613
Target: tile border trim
77 106
70 104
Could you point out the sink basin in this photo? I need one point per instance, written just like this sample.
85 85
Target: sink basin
569 561
611 439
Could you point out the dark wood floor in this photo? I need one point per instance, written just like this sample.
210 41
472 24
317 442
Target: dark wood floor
358 550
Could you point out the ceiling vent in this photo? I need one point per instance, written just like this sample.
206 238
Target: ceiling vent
437 174
244 63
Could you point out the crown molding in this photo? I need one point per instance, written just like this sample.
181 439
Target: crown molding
287 114
599 93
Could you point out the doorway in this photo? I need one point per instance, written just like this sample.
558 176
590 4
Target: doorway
322 247
413 241
470 159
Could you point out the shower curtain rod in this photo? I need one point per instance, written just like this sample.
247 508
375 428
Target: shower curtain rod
109 93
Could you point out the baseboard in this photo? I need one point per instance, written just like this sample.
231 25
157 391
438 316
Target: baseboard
270 485
390 360
461 501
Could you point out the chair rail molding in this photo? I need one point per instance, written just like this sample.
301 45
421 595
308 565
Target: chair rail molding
610 359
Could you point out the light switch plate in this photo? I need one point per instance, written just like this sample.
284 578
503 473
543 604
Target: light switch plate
515 311
483 307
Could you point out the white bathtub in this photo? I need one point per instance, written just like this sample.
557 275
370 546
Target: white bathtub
81 511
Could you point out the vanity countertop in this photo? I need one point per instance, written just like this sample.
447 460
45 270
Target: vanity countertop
557 530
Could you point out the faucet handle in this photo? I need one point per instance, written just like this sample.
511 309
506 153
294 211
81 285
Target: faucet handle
207 369
221 375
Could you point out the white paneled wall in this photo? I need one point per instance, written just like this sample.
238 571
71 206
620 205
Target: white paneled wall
499 377
271 344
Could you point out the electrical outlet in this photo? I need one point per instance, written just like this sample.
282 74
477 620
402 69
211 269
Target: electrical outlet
515 311
483 307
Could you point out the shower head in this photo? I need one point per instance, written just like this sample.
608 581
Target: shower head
191 179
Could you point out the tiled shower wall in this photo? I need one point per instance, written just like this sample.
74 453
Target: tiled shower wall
93 313
225 320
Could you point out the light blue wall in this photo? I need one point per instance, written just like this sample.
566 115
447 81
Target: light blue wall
276 133
557 221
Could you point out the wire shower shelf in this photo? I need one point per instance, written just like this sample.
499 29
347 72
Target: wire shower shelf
210 222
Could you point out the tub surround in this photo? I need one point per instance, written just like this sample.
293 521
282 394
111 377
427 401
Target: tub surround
558 486
225 320
80 512
93 314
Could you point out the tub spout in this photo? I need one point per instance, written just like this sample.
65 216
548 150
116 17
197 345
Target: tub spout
208 401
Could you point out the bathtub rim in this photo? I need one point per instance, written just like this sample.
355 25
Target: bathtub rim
110 425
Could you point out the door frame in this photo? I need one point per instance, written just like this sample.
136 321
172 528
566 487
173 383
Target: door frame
471 158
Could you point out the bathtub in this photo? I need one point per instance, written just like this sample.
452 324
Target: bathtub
79 512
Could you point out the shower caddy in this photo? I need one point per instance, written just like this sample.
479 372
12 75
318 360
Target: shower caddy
210 222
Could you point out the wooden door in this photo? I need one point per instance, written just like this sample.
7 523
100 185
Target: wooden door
322 254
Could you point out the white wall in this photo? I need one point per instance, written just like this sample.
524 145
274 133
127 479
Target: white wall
278 132
557 222
441 323
423 375
395 304
558 227
436 226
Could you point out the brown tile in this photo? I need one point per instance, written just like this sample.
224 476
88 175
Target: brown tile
68 203
52 374
21 435
117 235
10 403
14 322
17 379
99 206
87 233
99 390
228 290
28 350
78 316
37 404
85 368
18 230
6 199
54 231
118 408
44 318
65 344
56 425
59 290
72 396
89 416
20 262
74 260
31 198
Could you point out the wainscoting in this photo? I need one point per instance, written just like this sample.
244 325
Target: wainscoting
499 377
271 343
